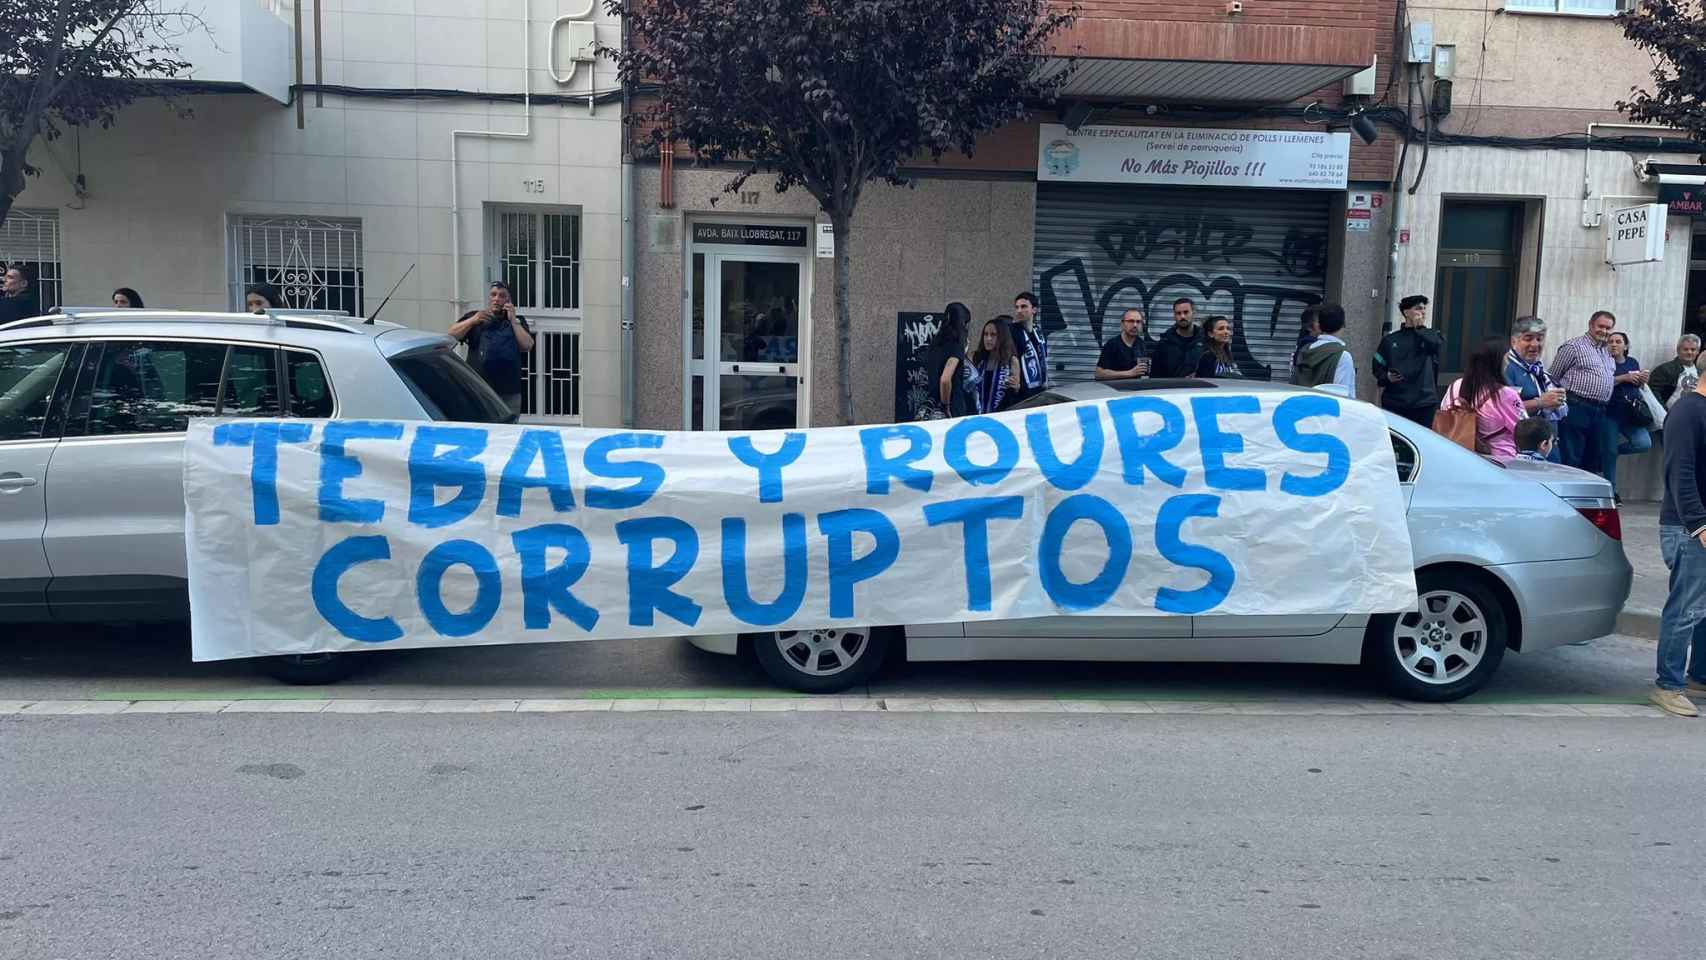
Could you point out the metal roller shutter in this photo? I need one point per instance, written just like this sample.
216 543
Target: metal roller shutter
1257 256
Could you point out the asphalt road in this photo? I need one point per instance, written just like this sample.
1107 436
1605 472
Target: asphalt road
873 834
91 663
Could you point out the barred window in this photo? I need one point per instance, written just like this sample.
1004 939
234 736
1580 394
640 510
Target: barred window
30 238
315 262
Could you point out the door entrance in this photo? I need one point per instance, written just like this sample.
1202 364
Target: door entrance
748 331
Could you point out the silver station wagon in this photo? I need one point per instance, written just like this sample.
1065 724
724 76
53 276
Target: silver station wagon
1522 556
94 405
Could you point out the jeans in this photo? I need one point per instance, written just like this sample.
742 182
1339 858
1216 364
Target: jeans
1589 437
1635 440
1682 626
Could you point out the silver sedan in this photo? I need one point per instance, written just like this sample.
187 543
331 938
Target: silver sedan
1522 556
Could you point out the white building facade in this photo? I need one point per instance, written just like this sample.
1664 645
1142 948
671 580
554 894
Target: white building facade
451 143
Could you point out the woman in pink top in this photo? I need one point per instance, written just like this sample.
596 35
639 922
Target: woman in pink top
1497 405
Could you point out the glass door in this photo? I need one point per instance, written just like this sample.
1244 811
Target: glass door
746 370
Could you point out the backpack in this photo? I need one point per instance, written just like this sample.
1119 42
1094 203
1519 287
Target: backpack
500 357
1316 367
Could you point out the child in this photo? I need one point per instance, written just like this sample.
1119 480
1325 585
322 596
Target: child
1534 438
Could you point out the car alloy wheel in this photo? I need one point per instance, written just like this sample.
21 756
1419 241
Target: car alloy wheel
1443 640
823 660
822 653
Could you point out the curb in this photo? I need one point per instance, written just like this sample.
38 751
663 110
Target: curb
1340 708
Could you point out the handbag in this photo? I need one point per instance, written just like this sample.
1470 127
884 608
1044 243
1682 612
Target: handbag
1457 424
1633 412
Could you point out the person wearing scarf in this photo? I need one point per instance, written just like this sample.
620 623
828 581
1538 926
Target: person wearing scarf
1526 371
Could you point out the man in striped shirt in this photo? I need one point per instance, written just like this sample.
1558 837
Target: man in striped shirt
1585 369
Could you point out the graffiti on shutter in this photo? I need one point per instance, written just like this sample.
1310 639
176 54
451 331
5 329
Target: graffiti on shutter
1257 256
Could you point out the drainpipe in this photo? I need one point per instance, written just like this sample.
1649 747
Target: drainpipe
628 249
526 131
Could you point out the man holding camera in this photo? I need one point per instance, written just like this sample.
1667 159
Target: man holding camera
497 337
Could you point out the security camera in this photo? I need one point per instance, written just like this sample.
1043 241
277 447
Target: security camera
1234 8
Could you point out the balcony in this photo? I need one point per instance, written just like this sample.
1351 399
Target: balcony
243 43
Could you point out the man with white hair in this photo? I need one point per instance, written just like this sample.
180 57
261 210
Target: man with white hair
1667 375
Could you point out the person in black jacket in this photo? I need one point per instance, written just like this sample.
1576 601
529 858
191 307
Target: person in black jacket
17 298
1682 543
1177 349
1406 365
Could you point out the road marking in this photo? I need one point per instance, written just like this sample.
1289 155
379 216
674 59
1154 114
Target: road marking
1339 708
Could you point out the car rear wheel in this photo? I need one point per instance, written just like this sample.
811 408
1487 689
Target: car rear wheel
826 660
1447 647
309 669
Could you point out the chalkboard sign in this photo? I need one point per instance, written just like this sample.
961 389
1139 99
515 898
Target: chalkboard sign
912 385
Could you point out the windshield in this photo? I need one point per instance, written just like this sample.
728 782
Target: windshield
449 389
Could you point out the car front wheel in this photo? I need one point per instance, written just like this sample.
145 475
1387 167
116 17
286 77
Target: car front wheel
827 660
1447 647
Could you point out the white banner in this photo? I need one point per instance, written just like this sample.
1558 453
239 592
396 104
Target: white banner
310 536
1195 157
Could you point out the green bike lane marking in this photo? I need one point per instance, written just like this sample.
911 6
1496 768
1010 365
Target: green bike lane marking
709 693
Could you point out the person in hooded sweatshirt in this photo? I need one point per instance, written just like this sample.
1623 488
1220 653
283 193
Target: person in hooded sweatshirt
1327 360
1176 350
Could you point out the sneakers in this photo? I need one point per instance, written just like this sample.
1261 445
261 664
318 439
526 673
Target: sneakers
1672 701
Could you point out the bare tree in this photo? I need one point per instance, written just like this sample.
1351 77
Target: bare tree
67 63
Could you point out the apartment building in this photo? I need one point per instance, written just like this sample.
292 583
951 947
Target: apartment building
445 143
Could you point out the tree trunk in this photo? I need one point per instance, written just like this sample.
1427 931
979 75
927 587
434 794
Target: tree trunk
842 220
12 181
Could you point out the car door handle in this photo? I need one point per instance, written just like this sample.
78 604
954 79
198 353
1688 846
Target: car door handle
16 480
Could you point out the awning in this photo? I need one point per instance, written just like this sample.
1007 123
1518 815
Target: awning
1220 62
1682 187
1199 82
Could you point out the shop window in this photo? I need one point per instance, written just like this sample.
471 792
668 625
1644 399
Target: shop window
315 262
1476 286
30 239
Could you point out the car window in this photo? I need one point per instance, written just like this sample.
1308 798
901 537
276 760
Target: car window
28 374
1405 455
448 388
153 387
310 394
251 383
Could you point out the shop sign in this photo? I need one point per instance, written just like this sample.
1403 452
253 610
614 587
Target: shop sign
1635 234
751 234
1195 157
1684 199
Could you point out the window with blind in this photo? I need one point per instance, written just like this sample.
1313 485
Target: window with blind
1586 8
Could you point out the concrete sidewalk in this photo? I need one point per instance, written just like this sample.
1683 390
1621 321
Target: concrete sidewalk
1640 615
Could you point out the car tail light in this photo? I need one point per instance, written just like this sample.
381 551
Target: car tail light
1605 518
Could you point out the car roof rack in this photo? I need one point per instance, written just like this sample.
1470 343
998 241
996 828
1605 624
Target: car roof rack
331 320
